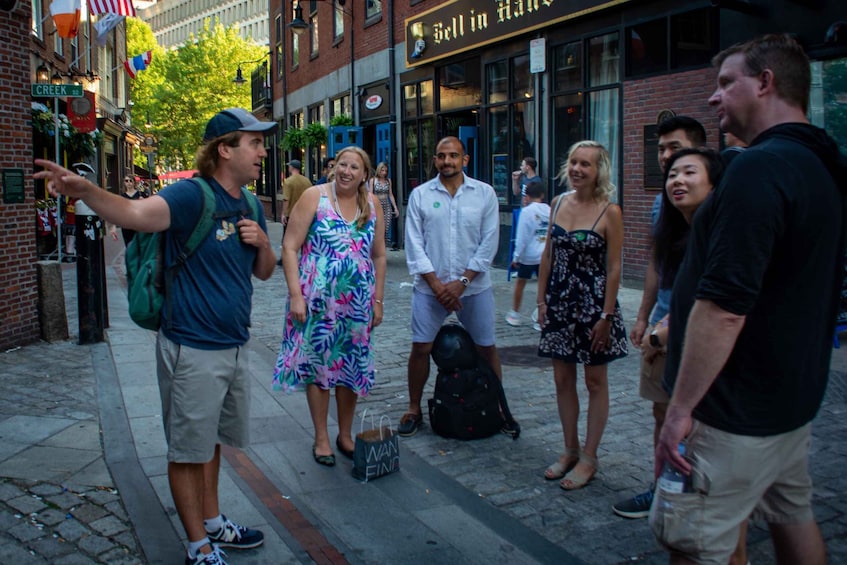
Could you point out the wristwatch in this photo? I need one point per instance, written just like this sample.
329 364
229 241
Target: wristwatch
606 316
465 281
654 340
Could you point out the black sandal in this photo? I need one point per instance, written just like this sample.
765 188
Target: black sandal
328 460
348 453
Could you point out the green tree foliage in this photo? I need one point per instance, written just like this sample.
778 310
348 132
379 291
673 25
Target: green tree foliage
183 88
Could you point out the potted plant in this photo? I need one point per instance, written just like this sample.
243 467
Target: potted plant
315 134
292 139
341 120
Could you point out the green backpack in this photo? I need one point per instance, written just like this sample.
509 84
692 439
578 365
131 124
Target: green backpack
149 280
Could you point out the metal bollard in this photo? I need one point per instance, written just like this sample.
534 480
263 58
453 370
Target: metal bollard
90 274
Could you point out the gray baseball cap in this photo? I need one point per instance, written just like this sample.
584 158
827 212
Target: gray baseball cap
235 119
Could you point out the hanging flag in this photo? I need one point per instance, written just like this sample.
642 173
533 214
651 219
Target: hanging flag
105 24
66 17
120 7
138 63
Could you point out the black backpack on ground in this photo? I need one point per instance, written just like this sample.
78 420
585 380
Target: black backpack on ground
468 401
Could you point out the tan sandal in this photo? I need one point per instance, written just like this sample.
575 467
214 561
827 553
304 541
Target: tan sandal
572 481
557 470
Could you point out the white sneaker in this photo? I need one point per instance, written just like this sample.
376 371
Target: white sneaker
536 326
513 318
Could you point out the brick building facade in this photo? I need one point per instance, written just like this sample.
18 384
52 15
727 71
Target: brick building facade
18 285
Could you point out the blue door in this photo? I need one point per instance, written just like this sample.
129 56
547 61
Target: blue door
468 135
383 145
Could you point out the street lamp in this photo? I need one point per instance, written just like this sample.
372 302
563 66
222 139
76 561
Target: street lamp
298 24
42 74
239 75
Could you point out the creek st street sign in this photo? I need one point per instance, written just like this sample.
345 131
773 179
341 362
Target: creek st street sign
56 90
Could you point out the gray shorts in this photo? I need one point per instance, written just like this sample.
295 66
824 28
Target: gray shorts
205 399
476 315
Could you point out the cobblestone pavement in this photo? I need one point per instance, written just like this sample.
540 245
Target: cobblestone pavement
509 474
48 423
49 415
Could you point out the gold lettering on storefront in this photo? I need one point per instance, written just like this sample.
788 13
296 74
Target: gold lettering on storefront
508 10
454 28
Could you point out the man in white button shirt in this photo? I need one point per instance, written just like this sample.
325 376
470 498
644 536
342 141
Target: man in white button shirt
452 232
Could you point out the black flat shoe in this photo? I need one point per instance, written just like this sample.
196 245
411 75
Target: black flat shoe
348 453
328 460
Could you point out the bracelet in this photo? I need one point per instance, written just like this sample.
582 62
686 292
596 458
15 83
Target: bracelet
541 304
378 301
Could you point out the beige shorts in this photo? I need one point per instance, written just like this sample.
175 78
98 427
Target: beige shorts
205 399
652 373
733 476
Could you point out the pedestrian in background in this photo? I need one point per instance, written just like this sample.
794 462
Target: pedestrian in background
201 361
580 318
381 185
529 245
334 262
764 262
292 189
525 177
452 230
326 169
130 191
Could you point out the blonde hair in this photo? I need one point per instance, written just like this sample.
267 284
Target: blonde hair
604 188
362 196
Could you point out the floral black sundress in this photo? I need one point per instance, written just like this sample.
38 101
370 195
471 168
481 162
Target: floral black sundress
575 296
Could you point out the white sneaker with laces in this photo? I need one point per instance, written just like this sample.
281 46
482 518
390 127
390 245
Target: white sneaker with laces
215 557
513 318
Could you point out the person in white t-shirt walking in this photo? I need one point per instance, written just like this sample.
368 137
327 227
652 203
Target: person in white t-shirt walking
529 244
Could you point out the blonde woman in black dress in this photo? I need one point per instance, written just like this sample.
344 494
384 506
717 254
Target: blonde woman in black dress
578 278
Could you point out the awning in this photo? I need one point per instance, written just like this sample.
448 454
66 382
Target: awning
173 175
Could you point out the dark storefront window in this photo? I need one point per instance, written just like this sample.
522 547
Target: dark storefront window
680 41
459 85
586 104
511 122
418 135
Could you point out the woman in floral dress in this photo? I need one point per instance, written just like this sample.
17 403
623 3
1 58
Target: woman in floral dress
335 292
581 321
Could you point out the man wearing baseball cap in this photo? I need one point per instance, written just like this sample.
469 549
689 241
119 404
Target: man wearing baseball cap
202 364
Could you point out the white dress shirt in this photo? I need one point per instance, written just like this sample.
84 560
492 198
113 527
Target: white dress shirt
450 234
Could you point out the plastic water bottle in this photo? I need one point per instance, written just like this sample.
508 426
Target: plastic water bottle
672 480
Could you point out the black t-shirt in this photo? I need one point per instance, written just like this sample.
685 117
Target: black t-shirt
766 245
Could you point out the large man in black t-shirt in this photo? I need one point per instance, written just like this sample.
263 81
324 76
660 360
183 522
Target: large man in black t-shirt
752 315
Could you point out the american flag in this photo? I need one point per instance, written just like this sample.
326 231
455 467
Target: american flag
120 7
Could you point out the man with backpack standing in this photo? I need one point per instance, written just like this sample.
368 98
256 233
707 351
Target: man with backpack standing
202 363
452 231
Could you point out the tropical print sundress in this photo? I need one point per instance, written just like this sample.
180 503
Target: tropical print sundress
337 279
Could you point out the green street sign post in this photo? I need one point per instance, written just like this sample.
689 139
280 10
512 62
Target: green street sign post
41 90
56 91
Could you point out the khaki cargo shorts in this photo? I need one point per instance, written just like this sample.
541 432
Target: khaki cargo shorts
733 476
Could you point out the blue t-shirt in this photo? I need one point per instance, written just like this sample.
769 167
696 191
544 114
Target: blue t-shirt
212 293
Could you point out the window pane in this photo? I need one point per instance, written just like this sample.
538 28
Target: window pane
313 34
410 100
524 131
498 128
568 127
605 124
372 8
498 82
338 18
522 77
427 147
459 85
427 103
413 169
603 67
692 39
568 66
648 48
